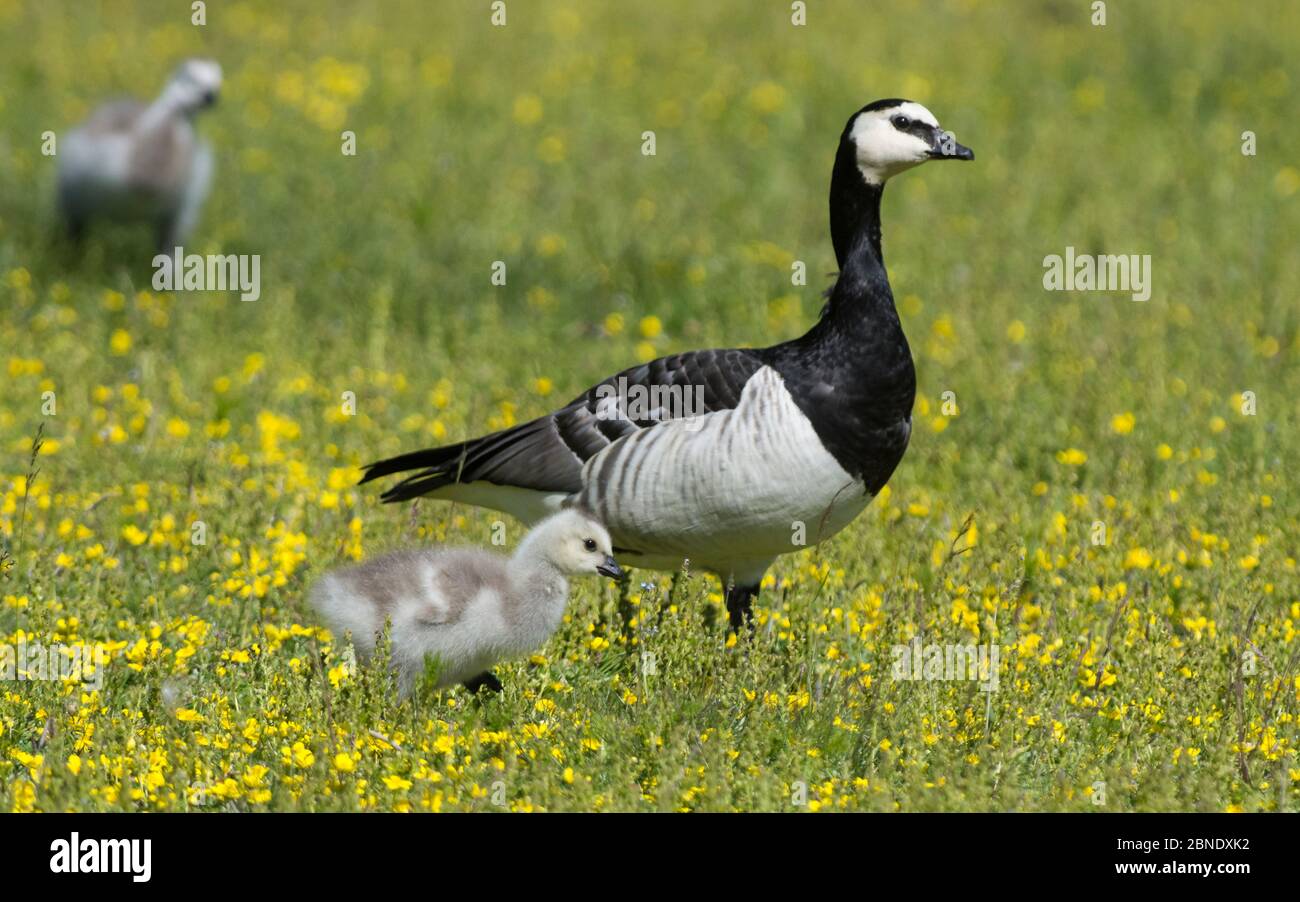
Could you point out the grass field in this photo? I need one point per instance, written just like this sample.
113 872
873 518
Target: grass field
1156 670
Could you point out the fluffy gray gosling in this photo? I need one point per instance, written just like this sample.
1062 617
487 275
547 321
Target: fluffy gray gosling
135 161
465 607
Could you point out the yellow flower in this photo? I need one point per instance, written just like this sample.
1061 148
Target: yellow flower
301 755
552 150
255 775
528 109
1287 181
119 343
651 327
1122 423
1138 558
343 763
1016 331
767 97
1072 457
550 244
24 797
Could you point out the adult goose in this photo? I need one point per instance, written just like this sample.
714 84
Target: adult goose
744 451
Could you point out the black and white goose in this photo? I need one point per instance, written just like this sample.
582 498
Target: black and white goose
804 432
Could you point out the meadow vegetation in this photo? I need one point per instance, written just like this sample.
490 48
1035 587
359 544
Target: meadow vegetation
1155 670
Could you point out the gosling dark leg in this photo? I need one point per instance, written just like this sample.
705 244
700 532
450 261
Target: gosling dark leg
76 230
740 606
485 680
74 219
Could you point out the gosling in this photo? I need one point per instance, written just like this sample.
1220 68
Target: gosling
466 608
132 161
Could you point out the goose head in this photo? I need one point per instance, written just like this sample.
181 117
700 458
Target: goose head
195 85
576 544
891 136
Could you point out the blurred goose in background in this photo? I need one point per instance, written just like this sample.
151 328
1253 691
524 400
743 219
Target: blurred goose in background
782 445
467 608
142 162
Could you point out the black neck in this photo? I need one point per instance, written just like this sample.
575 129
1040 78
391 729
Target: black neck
861 294
851 374
855 206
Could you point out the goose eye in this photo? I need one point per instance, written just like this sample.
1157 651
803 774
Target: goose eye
901 121
589 544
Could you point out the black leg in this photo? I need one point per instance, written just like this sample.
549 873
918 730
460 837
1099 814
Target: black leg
740 606
485 680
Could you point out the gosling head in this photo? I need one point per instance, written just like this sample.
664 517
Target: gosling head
891 136
576 543
194 86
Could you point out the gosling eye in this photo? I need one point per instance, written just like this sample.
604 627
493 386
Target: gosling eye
901 122
589 544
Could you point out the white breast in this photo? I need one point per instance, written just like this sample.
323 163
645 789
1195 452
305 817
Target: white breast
731 490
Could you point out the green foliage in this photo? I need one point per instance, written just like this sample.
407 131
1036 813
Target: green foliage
1157 670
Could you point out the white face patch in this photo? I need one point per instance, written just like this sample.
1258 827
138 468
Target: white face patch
883 150
195 83
566 537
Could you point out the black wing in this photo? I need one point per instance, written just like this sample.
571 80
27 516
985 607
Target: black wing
547 454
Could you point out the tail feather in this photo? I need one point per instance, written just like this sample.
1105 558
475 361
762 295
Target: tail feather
413 487
528 456
437 462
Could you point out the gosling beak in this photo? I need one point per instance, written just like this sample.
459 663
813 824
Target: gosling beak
610 568
946 148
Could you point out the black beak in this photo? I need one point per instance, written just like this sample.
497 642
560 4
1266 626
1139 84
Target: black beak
209 98
946 148
609 567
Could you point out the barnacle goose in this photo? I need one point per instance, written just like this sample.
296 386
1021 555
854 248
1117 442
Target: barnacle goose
135 161
804 432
